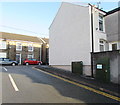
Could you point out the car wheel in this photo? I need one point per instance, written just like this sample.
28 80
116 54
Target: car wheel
39 63
26 63
13 64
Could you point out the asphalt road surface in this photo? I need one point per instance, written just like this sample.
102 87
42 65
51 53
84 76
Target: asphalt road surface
24 84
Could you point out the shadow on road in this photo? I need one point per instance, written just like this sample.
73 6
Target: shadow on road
64 88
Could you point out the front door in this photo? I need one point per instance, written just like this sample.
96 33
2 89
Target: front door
18 58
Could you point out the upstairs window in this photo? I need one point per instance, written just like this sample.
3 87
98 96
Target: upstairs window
114 46
19 46
100 22
3 45
3 55
30 47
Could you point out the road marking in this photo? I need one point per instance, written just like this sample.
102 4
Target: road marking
83 86
13 83
5 69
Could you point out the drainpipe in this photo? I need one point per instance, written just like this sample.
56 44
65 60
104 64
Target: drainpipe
92 75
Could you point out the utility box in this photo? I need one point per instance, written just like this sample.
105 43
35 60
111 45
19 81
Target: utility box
103 70
77 67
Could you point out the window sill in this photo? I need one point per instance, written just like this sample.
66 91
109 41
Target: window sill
18 49
30 50
101 31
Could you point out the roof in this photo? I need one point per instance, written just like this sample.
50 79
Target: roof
113 11
13 36
97 8
46 40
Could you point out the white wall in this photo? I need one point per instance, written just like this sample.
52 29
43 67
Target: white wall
70 36
3 44
3 55
97 33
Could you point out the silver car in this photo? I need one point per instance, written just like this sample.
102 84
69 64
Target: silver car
6 61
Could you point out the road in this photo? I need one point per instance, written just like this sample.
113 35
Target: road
24 84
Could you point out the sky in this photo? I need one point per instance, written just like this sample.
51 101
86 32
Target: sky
34 18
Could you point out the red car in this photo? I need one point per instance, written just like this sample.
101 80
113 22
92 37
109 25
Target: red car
31 61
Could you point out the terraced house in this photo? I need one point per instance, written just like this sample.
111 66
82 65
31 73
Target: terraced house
19 47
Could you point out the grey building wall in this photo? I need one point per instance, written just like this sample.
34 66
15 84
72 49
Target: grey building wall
114 57
111 24
119 68
11 52
36 53
24 52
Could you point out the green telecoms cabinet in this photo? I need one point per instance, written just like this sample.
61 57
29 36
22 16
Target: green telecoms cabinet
77 67
103 69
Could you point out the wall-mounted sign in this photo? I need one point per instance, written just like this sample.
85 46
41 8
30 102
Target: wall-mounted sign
99 66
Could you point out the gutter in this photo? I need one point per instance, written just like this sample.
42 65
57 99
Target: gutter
92 75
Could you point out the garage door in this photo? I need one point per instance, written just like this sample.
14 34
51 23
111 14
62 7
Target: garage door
2 55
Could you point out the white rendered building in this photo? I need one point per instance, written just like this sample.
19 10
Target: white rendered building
76 31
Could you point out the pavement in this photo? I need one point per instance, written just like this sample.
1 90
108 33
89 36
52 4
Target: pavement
111 88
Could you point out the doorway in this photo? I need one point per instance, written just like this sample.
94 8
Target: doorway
18 58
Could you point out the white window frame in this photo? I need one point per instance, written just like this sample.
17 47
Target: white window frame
110 45
31 55
3 45
103 44
102 20
116 44
3 55
32 48
20 46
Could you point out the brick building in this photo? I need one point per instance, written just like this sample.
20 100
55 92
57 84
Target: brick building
19 47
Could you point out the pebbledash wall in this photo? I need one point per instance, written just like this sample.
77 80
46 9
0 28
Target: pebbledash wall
71 38
112 21
29 47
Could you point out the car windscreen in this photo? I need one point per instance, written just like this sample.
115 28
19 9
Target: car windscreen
34 59
30 59
6 59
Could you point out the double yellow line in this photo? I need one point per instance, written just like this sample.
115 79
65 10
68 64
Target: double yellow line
83 86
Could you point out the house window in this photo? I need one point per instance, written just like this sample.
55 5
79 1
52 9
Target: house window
30 55
101 42
3 55
114 46
19 46
100 22
30 47
3 45
101 47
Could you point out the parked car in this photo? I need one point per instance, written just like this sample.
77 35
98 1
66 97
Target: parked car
6 61
31 61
